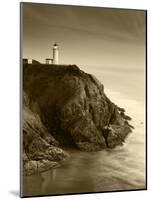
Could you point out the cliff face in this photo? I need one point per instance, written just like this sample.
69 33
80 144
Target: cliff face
40 149
73 108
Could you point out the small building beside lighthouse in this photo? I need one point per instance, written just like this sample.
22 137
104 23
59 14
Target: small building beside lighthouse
48 61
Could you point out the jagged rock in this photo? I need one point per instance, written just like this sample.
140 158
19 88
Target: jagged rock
40 151
126 117
44 165
115 134
30 167
73 107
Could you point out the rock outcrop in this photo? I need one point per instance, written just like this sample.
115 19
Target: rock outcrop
71 109
40 149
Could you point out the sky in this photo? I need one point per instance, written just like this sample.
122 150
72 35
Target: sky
87 36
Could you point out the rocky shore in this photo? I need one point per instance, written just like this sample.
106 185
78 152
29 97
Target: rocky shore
66 107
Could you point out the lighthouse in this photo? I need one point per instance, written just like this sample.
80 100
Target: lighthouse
55 54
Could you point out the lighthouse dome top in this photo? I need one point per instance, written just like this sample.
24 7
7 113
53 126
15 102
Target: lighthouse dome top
55 45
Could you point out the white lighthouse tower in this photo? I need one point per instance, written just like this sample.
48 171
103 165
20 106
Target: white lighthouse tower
55 54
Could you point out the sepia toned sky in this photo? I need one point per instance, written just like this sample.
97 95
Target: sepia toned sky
111 38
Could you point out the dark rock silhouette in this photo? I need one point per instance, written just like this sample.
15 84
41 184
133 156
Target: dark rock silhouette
72 110
40 149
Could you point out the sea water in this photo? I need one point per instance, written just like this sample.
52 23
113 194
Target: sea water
121 168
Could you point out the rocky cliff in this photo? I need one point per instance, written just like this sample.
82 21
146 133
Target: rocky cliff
66 107
40 149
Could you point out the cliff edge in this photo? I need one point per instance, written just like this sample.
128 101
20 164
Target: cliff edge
70 109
